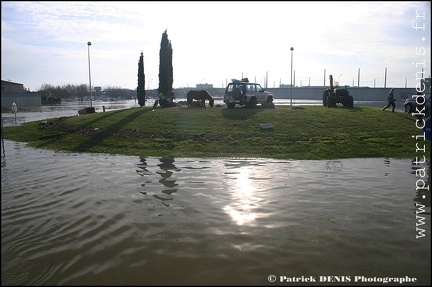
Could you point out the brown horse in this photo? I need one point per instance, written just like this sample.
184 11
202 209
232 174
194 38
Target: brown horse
200 95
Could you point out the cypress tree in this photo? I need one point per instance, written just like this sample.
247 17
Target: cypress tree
141 82
165 68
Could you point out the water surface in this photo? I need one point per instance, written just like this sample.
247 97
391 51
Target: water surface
95 219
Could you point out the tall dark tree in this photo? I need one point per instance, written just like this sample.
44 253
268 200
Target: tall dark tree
141 81
165 69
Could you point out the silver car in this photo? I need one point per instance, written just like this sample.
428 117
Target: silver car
242 92
410 104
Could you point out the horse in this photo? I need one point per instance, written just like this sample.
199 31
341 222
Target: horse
200 95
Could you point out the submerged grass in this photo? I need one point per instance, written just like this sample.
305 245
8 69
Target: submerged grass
299 132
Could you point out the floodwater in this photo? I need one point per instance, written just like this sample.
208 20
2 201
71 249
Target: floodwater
66 109
97 219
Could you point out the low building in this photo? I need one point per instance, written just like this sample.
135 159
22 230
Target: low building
204 86
15 93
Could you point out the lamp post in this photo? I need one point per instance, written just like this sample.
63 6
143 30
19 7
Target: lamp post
339 79
88 46
292 49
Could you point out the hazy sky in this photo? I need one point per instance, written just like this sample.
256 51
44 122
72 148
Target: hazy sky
213 42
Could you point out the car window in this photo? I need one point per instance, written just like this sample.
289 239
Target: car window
251 88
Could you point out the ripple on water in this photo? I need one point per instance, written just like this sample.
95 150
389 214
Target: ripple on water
74 219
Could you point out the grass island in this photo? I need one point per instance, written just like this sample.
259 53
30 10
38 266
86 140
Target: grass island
285 132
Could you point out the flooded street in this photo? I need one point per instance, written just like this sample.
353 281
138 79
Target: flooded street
97 219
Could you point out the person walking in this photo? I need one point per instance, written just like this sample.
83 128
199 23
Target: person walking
390 101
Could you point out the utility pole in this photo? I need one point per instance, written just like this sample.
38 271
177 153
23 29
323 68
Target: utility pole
88 46
358 81
292 49
385 78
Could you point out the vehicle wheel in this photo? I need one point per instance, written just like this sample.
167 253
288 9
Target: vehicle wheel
350 102
230 106
253 103
237 94
269 100
329 102
408 108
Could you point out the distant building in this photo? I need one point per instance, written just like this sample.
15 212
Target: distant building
14 92
285 86
204 86
11 87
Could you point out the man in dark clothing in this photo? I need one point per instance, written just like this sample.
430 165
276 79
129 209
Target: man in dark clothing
390 101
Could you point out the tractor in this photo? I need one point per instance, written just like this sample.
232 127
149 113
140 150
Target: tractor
334 96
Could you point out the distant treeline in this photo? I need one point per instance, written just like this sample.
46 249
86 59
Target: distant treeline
55 94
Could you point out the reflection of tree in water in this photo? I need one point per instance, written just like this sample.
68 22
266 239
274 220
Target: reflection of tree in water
167 167
143 168
167 164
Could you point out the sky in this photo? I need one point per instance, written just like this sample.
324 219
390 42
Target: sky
380 43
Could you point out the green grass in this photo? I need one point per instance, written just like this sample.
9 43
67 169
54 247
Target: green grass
308 132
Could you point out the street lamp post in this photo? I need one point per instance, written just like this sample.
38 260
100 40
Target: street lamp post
88 46
292 49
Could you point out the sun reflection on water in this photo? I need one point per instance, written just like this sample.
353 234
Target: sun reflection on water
242 207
